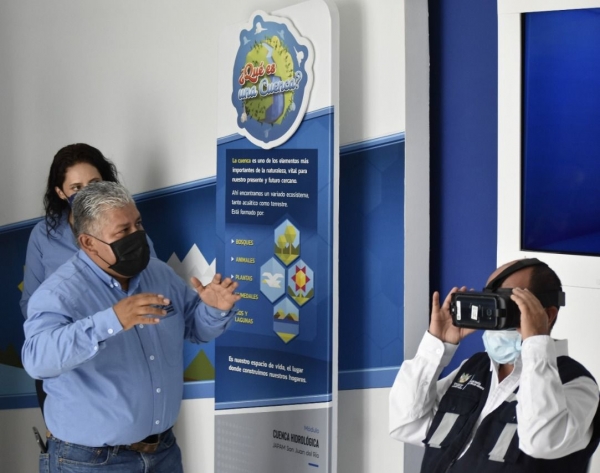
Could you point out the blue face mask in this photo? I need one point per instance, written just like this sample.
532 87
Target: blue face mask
71 199
503 346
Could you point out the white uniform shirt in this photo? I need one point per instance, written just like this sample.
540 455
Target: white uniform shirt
553 419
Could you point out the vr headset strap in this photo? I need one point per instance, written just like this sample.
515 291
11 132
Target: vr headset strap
547 299
513 268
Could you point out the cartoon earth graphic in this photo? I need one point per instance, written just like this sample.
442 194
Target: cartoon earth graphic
273 108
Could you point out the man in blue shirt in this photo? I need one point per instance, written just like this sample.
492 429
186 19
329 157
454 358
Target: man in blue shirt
105 332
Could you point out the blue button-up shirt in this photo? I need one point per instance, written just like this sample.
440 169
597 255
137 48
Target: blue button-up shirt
47 252
106 385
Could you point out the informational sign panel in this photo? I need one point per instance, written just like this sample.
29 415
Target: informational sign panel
276 366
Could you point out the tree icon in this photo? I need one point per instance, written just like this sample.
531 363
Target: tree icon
290 236
281 243
287 242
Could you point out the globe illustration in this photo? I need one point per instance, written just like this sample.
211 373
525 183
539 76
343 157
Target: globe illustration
271 109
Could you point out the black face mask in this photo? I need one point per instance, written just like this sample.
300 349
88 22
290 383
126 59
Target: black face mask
132 253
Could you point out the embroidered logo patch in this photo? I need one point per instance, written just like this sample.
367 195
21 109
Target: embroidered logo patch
464 378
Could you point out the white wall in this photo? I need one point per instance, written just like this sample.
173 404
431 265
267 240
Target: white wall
578 321
136 79
416 192
18 450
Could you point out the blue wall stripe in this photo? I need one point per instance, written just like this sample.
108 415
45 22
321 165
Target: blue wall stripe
23 401
368 378
13 227
142 197
199 390
176 189
373 143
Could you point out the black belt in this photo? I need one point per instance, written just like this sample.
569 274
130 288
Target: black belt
149 444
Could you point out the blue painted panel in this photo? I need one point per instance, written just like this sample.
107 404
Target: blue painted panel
371 255
464 147
178 220
16 387
561 112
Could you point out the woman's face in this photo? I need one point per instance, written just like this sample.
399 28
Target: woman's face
76 178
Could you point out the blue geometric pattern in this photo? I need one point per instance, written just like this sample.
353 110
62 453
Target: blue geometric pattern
371 255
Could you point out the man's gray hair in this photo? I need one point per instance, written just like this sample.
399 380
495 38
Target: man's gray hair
92 202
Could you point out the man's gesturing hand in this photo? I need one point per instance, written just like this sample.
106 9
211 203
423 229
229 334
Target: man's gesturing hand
441 319
140 309
219 293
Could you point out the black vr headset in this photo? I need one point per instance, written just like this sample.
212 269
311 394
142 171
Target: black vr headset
493 309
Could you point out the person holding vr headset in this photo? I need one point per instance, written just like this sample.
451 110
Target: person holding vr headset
523 405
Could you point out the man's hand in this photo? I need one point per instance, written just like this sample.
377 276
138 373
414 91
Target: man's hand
139 309
218 294
534 318
441 320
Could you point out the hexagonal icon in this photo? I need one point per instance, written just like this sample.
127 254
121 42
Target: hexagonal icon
300 285
286 320
287 242
272 280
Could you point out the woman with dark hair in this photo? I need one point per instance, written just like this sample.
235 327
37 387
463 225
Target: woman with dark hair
73 167
52 242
